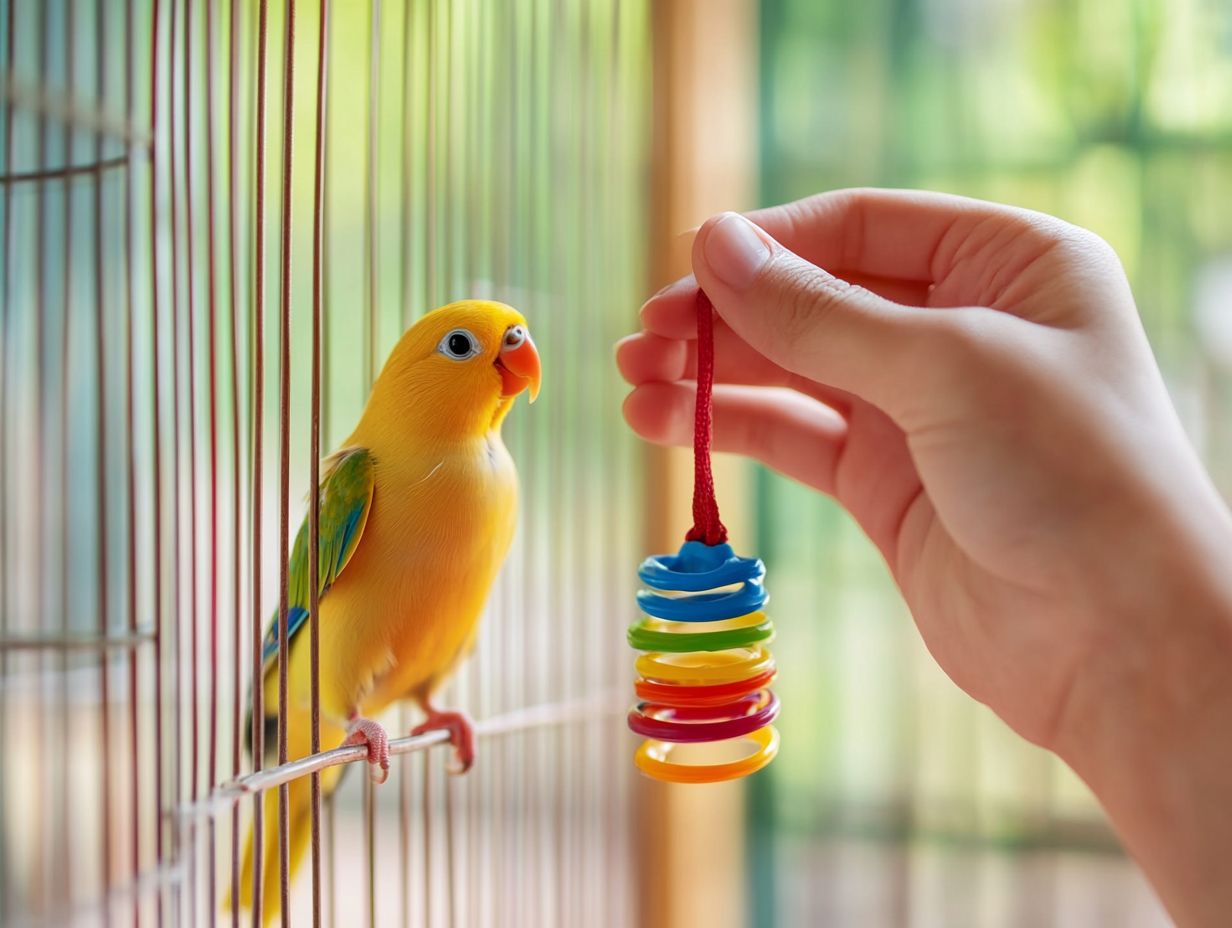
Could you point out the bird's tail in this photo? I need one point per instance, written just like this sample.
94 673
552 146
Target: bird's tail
299 820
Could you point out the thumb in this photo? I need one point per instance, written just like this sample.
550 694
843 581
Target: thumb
804 319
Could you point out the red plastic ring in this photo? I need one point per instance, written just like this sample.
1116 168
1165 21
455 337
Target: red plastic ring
717 694
693 732
736 708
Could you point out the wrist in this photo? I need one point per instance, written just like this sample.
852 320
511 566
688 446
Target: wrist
1152 692
1148 726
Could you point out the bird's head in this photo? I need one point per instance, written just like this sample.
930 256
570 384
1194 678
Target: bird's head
458 370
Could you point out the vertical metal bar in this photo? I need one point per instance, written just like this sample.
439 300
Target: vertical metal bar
331 846
506 271
404 837
426 797
326 431
156 454
448 216
314 452
237 502
503 784
65 513
458 821
212 302
368 346
177 504
478 283
370 849
258 397
371 194
330 830
193 404
38 472
451 887
130 490
190 290
451 203
100 486
430 91
482 153
530 578
212 323
6 301
406 240
194 619
284 447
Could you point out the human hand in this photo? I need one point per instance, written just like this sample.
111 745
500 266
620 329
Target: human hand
972 383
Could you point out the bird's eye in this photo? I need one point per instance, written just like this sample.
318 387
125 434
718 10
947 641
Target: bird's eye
459 345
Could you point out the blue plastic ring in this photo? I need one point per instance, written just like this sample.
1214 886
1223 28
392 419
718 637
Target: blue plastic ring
698 567
704 607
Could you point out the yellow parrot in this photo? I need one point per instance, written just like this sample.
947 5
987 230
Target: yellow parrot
417 512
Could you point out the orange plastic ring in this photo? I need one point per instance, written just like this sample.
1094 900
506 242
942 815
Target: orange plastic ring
652 759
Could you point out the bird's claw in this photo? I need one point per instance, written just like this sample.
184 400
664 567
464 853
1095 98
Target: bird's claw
366 731
461 735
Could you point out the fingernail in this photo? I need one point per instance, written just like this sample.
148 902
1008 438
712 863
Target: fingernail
735 251
688 282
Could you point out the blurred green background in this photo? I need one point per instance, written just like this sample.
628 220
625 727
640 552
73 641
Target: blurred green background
896 799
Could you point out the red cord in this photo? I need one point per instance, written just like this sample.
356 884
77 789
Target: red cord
707 526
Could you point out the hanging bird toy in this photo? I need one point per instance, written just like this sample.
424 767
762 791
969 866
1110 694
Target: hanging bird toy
706 673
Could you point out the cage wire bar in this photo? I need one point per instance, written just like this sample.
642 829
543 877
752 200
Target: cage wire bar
217 217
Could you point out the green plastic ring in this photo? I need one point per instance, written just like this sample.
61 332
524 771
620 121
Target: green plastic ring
652 635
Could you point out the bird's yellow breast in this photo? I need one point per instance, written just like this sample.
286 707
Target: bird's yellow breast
407 605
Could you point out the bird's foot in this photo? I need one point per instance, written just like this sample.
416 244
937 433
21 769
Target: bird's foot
366 731
461 734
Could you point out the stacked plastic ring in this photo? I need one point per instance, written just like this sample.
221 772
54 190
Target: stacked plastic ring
706 673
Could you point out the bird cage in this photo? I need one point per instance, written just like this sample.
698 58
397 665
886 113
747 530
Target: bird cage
217 218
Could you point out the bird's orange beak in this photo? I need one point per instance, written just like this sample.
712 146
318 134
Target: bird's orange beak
518 363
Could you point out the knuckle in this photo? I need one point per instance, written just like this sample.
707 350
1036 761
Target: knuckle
1089 247
1094 268
1072 240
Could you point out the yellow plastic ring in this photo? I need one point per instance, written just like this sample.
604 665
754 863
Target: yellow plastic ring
652 759
695 668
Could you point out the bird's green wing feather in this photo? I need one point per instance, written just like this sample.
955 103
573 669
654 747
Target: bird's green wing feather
345 500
